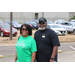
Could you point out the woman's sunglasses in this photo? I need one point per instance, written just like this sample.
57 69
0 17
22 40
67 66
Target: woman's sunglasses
24 29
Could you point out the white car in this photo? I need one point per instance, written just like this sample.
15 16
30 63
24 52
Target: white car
73 20
59 21
59 30
69 26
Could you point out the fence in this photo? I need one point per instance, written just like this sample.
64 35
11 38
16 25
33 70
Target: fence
23 20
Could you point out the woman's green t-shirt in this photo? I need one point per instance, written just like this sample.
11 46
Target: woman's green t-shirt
25 47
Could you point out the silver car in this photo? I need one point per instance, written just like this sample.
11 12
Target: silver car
59 30
73 20
59 21
69 26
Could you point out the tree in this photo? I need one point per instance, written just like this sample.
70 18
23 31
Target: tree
73 17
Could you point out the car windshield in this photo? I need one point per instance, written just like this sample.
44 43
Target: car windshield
73 24
1 22
33 23
15 22
61 20
48 26
49 22
35 20
27 23
5 26
55 26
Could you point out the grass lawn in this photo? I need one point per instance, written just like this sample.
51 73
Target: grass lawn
6 40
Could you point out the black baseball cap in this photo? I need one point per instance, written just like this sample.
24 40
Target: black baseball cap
43 20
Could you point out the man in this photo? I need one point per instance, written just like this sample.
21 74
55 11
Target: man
47 42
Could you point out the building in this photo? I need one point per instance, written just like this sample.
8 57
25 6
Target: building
22 17
71 14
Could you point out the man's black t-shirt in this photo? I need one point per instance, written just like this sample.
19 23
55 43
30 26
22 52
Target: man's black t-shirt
45 41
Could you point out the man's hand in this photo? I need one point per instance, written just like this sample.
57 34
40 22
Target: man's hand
51 60
55 48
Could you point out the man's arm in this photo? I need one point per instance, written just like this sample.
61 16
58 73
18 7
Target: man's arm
55 48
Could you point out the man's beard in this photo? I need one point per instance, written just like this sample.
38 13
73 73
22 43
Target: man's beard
41 28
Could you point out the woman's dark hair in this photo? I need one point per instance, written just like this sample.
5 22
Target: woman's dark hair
27 27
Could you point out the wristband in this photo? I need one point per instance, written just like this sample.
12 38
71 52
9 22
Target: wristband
52 58
15 60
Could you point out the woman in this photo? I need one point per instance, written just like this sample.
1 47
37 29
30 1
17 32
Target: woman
26 45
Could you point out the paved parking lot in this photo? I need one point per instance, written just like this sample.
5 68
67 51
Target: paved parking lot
8 53
67 55
67 46
68 52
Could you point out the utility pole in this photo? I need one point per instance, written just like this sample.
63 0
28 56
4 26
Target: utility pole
42 14
10 25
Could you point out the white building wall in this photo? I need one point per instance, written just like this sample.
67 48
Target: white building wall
22 17
4 14
56 15
26 14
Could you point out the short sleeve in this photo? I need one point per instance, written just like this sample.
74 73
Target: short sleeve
35 37
33 46
54 39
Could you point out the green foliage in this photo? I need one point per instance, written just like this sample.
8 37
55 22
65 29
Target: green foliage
73 18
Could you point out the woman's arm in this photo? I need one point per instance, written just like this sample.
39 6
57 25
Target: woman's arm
15 59
33 56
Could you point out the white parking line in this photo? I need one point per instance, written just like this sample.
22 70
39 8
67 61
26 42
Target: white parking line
72 47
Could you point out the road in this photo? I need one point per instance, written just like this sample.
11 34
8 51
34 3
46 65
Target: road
8 53
68 52
66 46
67 55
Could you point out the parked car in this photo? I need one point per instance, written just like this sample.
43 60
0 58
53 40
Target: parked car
15 24
59 21
69 26
1 22
59 30
36 21
5 30
72 20
34 25
50 22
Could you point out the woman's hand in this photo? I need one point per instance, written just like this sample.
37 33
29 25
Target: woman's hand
15 59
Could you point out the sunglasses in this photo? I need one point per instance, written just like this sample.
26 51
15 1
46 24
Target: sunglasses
24 29
41 22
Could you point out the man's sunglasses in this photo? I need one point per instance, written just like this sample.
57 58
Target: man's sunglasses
24 29
42 22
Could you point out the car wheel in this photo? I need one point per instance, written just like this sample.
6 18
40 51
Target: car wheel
74 32
2 34
69 32
14 35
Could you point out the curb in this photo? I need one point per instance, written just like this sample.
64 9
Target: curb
59 51
8 45
1 56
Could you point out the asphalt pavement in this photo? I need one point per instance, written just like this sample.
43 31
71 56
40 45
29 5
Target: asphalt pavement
8 53
67 55
68 52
